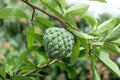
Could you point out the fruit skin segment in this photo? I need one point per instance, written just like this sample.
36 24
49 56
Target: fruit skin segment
58 42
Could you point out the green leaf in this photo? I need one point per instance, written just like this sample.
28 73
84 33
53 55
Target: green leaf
91 20
62 3
107 25
71 72
116 42
112 47
22 57
30 40
2 73
12 13
104 57
75 52
70 20
96 75
115 34
52 10
41 58
55 4
84 43
10 60
35 36
66 18
81 34
79 9
18 77
27 66
44 21
8 69
103 1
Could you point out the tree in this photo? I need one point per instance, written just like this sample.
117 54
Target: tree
94 45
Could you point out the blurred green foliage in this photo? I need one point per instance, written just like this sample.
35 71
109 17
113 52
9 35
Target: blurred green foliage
13 43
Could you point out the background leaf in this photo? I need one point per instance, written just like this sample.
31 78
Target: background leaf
12 13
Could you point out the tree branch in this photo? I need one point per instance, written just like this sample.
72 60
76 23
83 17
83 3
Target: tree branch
45 12
44 66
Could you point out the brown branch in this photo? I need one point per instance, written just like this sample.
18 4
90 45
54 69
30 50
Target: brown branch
44 66
45 12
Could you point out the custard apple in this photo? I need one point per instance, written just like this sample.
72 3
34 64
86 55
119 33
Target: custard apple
58 42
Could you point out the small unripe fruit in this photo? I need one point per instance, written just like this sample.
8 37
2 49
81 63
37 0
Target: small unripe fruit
58 42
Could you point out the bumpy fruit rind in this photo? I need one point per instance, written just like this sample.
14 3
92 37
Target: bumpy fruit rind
58 42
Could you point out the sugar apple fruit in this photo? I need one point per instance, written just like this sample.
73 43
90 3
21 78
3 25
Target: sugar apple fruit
58 42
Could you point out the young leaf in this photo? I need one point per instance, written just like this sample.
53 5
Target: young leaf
92 21
115 34
94 70
12 13
112 47
75 52
104 57
77 10
107 25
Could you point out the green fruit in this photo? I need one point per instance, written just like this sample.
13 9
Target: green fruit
58 42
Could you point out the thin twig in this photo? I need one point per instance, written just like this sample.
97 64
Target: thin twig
44 66
33 17
45 12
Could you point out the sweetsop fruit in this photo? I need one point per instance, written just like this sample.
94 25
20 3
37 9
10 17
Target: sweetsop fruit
58 42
